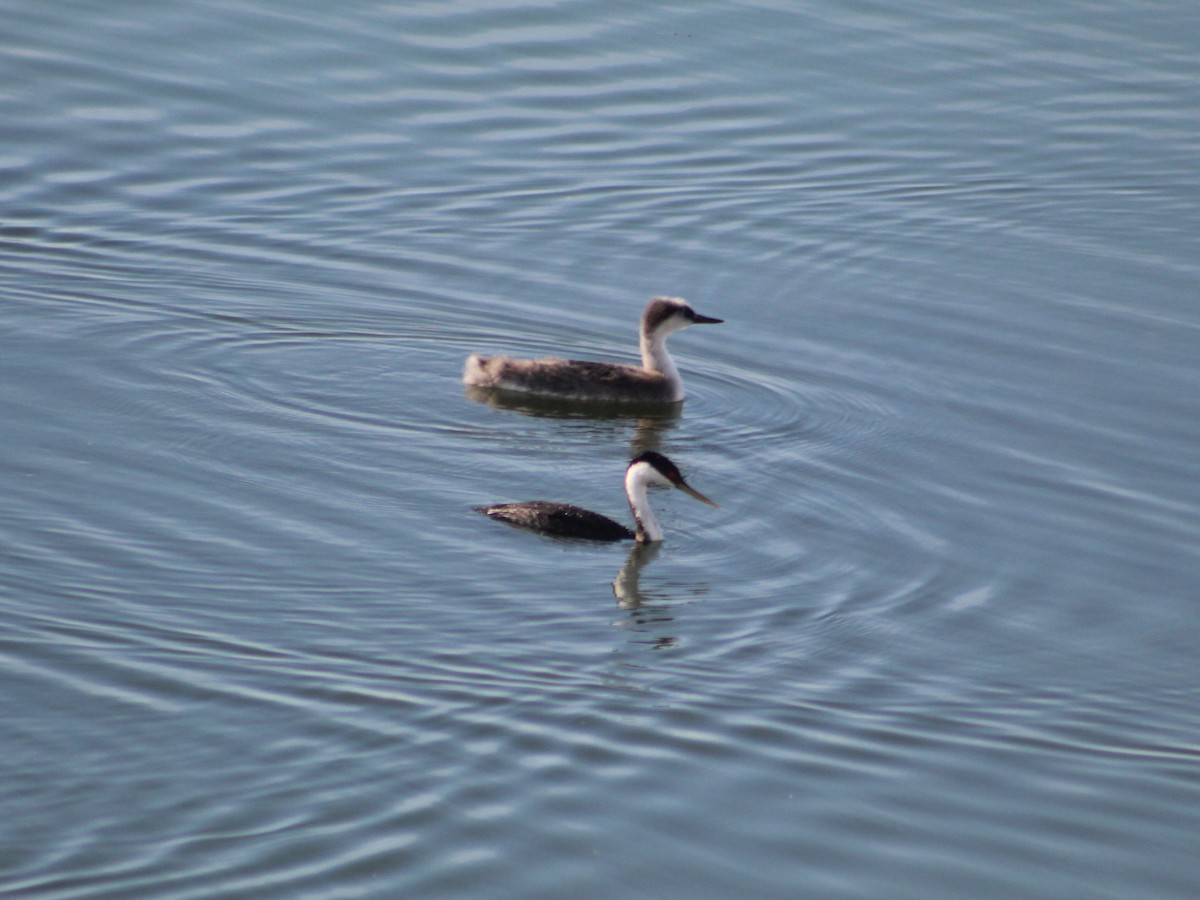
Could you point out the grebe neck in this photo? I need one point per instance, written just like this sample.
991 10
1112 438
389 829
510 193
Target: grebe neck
656 358
636 482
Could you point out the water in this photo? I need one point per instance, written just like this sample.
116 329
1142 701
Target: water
939 639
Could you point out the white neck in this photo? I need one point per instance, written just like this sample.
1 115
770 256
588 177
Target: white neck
637 479
656 358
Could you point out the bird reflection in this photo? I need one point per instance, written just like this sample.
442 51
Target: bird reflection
645 609
650 422
626 586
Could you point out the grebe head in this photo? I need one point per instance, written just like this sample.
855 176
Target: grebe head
666 315
654 468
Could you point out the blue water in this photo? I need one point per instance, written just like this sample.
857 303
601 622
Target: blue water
938 640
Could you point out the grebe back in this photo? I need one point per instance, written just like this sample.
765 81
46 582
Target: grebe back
655 381
565 520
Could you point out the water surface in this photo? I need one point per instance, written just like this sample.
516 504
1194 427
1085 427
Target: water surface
939 639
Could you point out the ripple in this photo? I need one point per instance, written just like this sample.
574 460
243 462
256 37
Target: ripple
750 407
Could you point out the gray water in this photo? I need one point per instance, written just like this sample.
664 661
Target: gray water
940 639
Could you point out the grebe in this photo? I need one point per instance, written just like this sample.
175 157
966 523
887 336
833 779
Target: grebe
564 520
655 381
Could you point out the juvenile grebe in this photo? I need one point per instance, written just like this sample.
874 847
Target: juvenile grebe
655 381
564 520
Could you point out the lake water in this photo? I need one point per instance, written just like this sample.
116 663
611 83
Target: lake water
939 640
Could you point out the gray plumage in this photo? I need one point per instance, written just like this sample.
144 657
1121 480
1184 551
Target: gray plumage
559 519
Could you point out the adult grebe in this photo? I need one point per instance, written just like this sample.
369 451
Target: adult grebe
655 381
564 520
